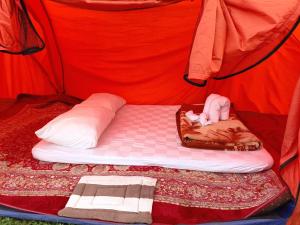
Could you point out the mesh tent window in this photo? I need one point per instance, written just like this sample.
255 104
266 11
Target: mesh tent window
17 33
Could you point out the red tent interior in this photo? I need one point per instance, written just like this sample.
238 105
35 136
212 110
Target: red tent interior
140 55
119 51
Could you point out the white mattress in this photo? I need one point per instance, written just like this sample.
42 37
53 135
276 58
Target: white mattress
147 135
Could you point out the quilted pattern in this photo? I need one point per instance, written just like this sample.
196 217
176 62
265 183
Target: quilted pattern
147 135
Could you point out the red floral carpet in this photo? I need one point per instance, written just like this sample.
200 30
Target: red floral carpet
181 196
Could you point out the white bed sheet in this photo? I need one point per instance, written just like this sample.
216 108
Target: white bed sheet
147 135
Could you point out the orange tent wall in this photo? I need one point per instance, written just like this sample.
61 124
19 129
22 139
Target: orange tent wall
140 55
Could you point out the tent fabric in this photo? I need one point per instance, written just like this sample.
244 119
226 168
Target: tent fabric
117 5
140 59
18 214
233 35
294 218
17 34
290 161
269 86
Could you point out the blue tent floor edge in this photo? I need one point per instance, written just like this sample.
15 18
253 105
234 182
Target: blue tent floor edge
277 217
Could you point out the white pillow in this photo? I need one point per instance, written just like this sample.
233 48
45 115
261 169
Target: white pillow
109 101
80 127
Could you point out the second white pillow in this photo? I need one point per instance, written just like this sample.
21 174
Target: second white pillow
106 100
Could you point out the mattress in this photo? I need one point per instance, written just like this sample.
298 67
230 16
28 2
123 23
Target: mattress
146 135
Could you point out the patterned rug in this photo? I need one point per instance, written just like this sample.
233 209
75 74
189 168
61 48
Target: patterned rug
181 196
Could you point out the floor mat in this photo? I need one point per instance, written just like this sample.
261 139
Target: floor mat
182 196
9 212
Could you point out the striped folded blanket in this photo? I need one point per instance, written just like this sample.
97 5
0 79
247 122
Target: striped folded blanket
112 198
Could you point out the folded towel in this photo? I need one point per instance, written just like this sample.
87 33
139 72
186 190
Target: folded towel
112 198
216 108
202 118
230 134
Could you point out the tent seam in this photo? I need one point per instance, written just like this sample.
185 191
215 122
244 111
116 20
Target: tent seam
57 46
